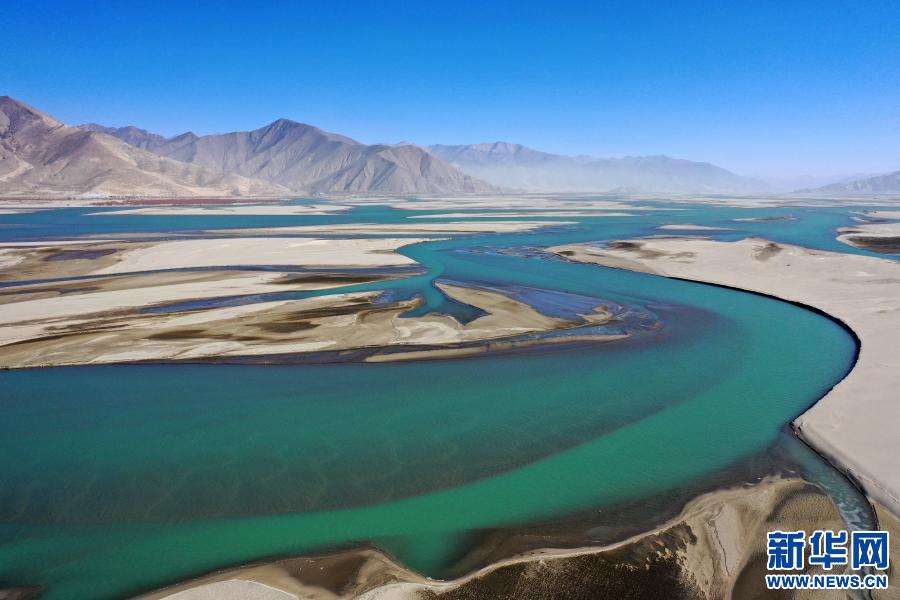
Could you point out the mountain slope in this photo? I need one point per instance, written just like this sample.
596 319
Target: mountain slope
516 166
39 155
305 158
882 184
140 138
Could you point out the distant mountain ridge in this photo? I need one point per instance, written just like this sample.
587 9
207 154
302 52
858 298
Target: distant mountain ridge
141 138
41 156
519 167
304 158
880 184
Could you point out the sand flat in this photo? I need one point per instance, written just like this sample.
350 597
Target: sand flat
505 203
396 228
248 251
530 213
877 237
49 243
77 258
62 332
241 209
855 424
154 289
713 546
19 211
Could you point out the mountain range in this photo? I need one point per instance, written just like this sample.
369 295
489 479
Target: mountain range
880 184
137 137
41 156
516 166
304 158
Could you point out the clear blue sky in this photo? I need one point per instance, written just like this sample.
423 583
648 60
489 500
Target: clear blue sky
763 88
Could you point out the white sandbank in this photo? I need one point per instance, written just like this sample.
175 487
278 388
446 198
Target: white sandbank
884 235
505 203
716 542
240 251
50 243
238 209
855 424
531 213
199 285
396 228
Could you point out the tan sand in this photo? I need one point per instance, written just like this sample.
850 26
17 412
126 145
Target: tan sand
348 229
18 211
877 237
98 318
53 243
232 252
30 257
532 213
714 549
79 329
561 202
396 228
881 214
39 304
243 589
855 424
242 209
34 260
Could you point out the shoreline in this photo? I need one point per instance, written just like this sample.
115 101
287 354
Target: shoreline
710 549
824 425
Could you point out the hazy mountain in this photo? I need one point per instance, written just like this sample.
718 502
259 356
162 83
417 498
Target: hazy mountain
519 167
881 184
305 158
40 155
795 182
135 136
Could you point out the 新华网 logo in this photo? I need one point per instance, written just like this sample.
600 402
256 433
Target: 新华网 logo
863 551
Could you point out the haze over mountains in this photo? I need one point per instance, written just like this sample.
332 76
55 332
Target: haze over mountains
880 184
41 156
516 166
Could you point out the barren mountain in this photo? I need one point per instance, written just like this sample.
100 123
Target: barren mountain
141 138
882 184
516 166
305 158
41 156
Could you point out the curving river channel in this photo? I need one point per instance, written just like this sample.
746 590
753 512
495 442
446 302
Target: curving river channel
118 479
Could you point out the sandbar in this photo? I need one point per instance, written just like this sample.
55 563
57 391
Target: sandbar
714 549
874 236
855 424
532 213
108 327
311 252
237 209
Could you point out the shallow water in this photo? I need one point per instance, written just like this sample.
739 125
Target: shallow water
117 479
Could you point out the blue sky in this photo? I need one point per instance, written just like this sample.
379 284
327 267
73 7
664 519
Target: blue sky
762 88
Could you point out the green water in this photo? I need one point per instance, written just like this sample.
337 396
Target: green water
118 479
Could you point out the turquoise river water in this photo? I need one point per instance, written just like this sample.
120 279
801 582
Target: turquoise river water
118 479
